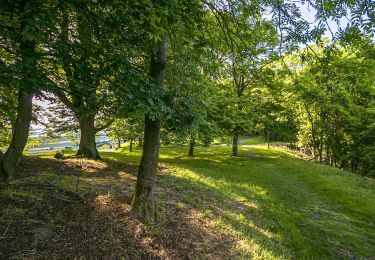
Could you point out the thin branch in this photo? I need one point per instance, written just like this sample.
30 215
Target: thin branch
101 128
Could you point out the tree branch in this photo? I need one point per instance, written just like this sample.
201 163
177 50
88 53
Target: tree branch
98 129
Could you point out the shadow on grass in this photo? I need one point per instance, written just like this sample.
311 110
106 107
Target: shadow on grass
287 218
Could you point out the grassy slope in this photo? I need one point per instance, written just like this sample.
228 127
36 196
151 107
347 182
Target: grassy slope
276 206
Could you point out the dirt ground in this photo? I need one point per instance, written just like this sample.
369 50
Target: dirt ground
41 216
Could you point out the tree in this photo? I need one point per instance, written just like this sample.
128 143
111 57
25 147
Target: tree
187 96
242 47
81 54
126 129
144 198
166 20
20 68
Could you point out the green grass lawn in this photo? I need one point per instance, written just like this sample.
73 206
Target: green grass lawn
274 205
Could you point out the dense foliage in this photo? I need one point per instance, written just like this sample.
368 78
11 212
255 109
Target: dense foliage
334 94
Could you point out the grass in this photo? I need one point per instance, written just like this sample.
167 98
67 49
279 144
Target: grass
255 140
277 206
263 204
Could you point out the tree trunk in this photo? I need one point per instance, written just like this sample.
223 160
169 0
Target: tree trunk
87 144
320 151
20 134
235 144
268 140
131 145
144 198
144 206
118 143
191 146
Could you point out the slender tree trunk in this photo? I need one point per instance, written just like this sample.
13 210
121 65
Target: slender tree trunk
235 144
144 197
118 143
143 203
20 134
131 145
320 147
268 140
191 146
328 155
87 144
320 156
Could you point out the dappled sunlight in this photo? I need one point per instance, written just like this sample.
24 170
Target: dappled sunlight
261 199
234 212
258 245
102 201
219 182
87 165
125 175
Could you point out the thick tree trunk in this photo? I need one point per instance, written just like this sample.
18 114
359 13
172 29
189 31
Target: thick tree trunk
235 144
144 206
131 145
191 146
20 134
87 144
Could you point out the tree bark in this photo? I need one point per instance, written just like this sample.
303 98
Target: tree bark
191 146
144 198
144 205
118 143
235 144
268 140
87 144
131 145
20 134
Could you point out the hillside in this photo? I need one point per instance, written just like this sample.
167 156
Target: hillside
264 204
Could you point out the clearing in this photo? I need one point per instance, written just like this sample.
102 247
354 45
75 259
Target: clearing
264 204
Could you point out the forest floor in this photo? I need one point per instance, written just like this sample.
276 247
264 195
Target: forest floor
264 204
